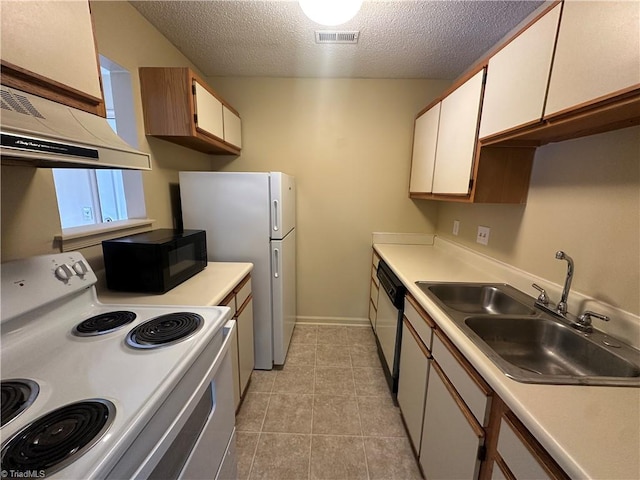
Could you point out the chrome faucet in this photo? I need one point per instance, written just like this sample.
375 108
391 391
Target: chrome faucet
583 322
562 304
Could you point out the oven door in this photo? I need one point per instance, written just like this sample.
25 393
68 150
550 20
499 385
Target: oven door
191 436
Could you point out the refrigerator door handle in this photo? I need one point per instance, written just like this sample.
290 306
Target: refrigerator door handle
276 261
275 216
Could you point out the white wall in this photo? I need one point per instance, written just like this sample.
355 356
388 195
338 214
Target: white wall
348 142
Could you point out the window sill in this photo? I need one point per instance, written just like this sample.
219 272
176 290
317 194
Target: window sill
90 235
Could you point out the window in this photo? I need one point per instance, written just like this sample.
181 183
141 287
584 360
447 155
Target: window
91 197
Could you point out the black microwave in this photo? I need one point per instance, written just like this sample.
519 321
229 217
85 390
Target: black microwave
155 261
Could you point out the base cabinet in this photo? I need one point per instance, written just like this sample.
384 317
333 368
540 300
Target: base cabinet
450 444
374 289
240 300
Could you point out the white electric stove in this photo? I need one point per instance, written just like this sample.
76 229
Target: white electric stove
110 391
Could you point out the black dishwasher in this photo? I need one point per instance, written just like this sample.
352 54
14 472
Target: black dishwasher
388 325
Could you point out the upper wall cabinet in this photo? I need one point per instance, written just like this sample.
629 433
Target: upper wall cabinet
447 162
48 49
457 131
179 107
518 76
597 56
425 139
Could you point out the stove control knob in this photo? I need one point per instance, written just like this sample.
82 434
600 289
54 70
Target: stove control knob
80 268
64 272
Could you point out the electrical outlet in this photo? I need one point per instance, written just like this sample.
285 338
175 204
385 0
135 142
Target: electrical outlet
483 235
456 227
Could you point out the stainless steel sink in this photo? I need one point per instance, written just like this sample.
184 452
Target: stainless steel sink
547 348
478 298
530 345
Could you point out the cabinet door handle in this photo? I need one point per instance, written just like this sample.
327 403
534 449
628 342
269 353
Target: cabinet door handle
275 216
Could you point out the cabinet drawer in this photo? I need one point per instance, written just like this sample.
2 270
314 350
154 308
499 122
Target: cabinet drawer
419 321
516 455
374 292
242 292
372 313
473 390
376 260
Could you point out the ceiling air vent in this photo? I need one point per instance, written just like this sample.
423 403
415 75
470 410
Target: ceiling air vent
332 36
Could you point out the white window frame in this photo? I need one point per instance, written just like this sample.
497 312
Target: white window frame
89 235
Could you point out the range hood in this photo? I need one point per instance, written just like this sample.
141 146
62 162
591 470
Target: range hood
38 132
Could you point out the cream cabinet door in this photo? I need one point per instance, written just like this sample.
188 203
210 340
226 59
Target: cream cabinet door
459 116
425 139
54 40
412 382
232 127
518 76
598 52
208 111
245 344
522 464
449 448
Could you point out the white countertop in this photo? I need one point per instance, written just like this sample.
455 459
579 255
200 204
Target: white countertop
207 288
592 432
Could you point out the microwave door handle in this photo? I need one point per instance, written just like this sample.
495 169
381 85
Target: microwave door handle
275 216
276 260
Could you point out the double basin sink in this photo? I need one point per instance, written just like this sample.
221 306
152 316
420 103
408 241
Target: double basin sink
530 345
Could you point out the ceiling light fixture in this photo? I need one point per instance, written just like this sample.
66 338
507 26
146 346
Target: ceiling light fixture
330 12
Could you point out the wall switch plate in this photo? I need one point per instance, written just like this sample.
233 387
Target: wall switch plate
483 235
456 227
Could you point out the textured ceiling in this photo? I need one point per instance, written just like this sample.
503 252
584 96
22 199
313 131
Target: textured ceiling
398 39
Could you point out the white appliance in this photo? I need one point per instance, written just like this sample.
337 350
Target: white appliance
94 391
250 217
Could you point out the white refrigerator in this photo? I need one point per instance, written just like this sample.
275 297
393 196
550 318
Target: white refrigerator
250 217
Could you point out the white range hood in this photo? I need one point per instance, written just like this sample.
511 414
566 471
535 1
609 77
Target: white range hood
36 131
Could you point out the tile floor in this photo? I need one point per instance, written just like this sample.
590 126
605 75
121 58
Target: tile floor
327 414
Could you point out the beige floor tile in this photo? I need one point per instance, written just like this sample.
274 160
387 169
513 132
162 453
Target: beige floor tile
331 334
252 412
332 356
361 336
379 417
391 458
305 334
301 354
294 379
364 356
336 415
337 458
262 381
289 413
334 381
246 443
282 456
371 381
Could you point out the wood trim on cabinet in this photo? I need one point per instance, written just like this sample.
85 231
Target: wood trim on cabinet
534 447
27 81
373 305
464 409
414 334
492 429
498 462
242 283
227 300
421 311
244 305
464 363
